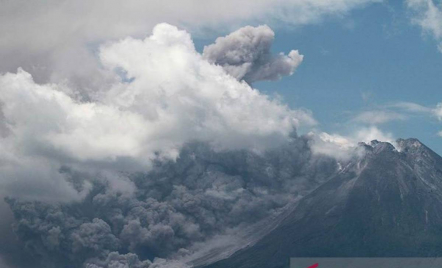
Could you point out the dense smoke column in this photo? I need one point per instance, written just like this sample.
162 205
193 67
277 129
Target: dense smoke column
202 194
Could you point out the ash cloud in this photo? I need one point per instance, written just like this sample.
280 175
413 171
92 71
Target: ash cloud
12 253
170 95
245 54
174 209
116 260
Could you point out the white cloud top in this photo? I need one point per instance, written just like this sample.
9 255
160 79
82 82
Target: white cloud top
169 95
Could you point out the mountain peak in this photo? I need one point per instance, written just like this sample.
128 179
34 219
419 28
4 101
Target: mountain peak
377 147
385 205
411 144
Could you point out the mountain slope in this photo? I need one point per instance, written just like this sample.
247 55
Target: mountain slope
388 203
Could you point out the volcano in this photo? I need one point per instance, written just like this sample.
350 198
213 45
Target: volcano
387 203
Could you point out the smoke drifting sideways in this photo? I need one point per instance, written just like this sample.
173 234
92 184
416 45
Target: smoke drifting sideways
174 153
245 54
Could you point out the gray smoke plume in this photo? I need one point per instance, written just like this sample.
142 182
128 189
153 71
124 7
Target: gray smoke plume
245 54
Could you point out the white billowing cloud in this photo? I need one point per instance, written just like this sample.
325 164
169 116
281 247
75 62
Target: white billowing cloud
187 98
173 96
333 145
43 119
372 133
376 117
428 15
245 54
53 40
345 147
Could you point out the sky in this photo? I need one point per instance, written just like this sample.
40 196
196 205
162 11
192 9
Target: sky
368 61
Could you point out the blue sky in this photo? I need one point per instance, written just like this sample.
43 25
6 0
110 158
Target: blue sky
369 60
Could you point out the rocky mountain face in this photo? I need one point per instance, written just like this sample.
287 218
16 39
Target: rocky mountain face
387 203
